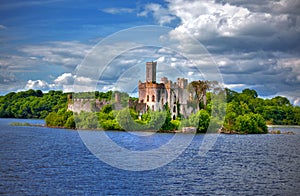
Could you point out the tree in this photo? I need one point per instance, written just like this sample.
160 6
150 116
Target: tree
199 89
250 123
200 120
280 101
168 125
107 108
70 123
250 93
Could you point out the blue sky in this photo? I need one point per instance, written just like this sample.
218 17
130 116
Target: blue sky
256 44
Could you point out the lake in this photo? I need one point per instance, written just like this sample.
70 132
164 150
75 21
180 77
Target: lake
48 161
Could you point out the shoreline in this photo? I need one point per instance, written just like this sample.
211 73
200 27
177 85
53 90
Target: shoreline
276 132
290 126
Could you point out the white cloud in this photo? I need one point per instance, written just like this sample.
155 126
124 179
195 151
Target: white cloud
249 41
39 59
160 59
160 14
297 101
38 85
209 20
234 86
190 73
65 82
115 10
65 79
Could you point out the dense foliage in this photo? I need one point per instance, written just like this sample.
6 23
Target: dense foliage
277 110
31 104
201 120
245 112
125 119
250 123
62 118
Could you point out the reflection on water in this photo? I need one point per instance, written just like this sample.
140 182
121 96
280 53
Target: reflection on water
38 160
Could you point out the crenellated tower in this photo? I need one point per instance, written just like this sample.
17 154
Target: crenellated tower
151 71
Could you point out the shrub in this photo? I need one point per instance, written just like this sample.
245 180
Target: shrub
250 123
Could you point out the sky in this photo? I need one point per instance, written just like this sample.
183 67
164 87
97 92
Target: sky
254 44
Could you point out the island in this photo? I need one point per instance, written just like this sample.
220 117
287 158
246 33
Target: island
180 104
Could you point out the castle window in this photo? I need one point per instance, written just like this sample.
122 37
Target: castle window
174 117
147 98
153 98
153 108
174 108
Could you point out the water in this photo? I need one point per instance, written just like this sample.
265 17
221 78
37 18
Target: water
38 160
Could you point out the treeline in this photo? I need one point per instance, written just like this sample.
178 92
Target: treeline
275 111
31 104
245 112
34 104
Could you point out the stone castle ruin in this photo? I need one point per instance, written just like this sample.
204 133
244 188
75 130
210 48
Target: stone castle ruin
152 96
155 96
87 105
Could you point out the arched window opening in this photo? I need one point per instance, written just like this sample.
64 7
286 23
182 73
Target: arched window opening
153 108
153 98
174 108
147 98
174 117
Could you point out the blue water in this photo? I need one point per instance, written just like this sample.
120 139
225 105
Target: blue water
38 160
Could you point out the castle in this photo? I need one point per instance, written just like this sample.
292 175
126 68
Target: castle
152 96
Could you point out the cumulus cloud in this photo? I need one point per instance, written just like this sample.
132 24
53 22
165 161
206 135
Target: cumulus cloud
39 58
161 15
65 79
38 84
255 43
267 6
65 82
210 20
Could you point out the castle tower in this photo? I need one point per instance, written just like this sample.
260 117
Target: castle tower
151 71
117 97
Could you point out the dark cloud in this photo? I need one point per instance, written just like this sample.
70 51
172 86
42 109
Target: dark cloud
256 43
267 6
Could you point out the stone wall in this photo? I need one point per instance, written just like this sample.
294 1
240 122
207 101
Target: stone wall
87 105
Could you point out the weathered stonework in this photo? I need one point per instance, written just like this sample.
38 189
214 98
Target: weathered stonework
154 96
87 105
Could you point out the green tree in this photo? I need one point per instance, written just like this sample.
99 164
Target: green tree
70 123
200 120
250 123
